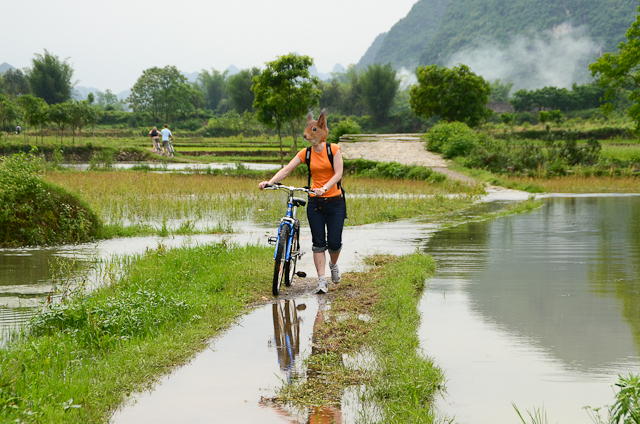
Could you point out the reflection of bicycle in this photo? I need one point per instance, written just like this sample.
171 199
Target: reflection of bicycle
288 240
286 328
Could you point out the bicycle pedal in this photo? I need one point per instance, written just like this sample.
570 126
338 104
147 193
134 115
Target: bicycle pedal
301 274
272 240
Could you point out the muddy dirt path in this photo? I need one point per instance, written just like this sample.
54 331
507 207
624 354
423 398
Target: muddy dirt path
407 149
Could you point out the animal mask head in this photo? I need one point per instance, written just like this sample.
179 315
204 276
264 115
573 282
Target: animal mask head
316 132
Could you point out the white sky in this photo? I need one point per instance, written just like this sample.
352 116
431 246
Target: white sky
109 43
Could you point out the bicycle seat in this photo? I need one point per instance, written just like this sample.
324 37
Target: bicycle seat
299 202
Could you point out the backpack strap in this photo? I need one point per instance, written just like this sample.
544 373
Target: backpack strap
330 155
308 162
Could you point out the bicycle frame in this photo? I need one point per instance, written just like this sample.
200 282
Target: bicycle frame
289 219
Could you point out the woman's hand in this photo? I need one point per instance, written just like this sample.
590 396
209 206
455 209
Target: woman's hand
319 191
263 184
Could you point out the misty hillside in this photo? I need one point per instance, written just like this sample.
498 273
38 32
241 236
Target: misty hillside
518 40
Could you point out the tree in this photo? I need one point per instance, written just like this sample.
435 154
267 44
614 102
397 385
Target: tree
161 91
455 94
213 87
500 91
50 78
32 109
379 88
621 71
284 93
15 83
9 114
239 89
60 115
109 101
91 99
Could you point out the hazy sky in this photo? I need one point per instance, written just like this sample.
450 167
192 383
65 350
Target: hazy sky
109 43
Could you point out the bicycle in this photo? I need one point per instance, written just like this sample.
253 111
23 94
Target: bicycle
288 240
170 150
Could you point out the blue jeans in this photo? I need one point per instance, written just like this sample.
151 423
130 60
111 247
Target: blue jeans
326 220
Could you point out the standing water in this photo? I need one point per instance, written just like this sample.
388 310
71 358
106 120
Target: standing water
540 309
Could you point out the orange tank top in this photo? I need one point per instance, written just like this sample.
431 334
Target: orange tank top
321 169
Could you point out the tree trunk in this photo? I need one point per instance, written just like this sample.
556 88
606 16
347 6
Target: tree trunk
295 137
281 153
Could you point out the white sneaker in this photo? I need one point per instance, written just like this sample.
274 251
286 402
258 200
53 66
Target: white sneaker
322 285
335 273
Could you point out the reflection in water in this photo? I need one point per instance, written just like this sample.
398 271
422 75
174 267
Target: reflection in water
286 326
542 308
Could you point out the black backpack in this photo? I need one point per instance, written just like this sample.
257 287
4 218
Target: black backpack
330 155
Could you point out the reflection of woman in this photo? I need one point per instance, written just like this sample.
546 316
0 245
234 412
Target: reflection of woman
327 209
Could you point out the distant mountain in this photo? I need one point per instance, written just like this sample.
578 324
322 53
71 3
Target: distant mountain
519 40
81 93
191 76
232 70
5 67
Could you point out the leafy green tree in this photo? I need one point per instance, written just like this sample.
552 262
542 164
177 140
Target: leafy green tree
379 88
500 91
15 83
622 71
353 100
455 94
91 98
109 101
50 78
239 89
161 91
9 114
284 92
213 86
60 115
32 109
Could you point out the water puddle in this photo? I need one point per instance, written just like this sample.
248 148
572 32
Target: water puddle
170 167
537 309
234 380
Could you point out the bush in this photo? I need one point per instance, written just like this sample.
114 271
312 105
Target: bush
391 170
33 212
341 128
451 139
232 123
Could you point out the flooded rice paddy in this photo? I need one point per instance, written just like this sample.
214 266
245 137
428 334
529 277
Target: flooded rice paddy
539 309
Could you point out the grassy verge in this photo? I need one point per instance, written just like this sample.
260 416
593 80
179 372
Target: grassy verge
400 382
80 359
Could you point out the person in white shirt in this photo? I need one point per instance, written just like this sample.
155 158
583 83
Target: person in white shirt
166 136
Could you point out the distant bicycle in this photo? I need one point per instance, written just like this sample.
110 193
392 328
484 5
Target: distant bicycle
170 151
288 240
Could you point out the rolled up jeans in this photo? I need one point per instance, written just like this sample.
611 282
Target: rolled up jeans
326 219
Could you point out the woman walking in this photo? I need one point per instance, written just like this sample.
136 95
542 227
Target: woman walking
326 209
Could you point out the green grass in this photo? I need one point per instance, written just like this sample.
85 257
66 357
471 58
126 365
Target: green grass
126 198
79 360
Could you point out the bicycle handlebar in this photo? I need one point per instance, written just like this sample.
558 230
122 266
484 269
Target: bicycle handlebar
278 186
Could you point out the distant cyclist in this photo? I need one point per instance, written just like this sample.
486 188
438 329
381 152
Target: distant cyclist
166 136
155 139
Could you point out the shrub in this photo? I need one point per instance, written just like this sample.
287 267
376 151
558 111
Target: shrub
451 139
346 126
34 212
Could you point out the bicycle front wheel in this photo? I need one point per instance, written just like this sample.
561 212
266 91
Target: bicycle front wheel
281 260
290 266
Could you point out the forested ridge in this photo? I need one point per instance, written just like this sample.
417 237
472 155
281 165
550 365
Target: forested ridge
434 30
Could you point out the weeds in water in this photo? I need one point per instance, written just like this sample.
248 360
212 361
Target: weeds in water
626 408
538 416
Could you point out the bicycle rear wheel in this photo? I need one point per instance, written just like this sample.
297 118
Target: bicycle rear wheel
290 265
281 260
